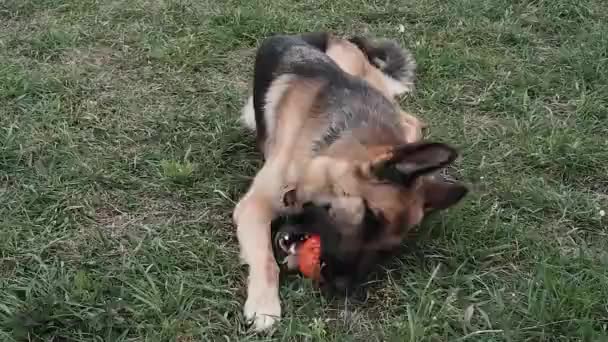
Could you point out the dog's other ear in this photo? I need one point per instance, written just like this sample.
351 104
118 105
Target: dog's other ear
439 195
405 163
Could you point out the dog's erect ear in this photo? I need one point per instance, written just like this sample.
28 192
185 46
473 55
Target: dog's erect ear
406 162
439 195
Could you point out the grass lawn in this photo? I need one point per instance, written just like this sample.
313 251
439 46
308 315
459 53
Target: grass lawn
121 158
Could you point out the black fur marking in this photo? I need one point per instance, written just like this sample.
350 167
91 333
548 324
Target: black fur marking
317 39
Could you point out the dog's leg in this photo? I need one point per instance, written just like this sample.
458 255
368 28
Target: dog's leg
255 211
253 215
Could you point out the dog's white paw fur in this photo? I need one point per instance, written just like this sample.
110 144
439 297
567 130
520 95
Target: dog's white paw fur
262 309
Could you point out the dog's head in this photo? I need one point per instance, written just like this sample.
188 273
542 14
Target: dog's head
361 208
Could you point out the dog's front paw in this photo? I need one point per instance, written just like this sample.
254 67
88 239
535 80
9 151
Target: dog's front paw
262 310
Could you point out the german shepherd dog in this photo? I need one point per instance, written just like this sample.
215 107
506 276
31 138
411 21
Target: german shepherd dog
340 156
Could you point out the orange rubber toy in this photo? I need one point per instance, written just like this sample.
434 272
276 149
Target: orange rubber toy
308 257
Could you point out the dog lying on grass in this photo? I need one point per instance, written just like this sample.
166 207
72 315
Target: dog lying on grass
340 154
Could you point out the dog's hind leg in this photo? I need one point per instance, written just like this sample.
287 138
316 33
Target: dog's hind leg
397 65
